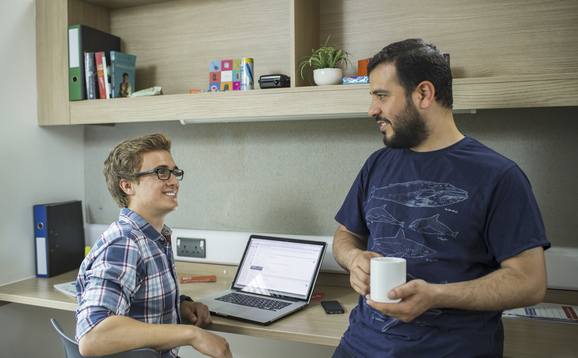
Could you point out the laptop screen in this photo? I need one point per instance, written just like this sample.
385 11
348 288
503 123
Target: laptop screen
279 267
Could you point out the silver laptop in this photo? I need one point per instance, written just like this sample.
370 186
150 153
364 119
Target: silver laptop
276 277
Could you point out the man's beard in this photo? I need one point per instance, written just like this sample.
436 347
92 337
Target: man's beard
410 128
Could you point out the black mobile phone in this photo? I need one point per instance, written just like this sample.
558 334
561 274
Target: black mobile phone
332 307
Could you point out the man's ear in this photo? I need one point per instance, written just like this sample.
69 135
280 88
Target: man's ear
126 186
424 95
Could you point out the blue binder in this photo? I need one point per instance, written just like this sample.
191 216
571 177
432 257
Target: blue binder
59 237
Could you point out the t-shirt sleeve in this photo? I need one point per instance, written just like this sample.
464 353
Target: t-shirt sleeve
351 214
514 223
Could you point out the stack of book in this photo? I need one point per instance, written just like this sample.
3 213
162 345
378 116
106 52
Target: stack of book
97 68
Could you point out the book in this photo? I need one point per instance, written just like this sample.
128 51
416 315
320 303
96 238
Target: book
122 68
102 60
547 312
90 74
106 73
100 65
68 288
59 237
83 39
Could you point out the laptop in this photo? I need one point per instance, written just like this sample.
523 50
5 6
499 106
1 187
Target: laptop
276 277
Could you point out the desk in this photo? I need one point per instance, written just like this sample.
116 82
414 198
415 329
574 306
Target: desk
524 337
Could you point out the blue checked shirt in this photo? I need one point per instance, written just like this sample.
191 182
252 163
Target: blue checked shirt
130 271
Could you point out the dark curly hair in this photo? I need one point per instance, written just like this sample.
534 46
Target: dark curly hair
415 61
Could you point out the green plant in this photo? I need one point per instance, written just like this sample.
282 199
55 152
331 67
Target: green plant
325 57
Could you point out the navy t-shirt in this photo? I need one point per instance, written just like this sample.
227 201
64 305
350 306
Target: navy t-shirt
454 215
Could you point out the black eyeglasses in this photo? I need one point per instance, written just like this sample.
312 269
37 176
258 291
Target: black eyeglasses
164 173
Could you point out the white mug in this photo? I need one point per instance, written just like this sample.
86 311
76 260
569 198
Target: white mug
385 274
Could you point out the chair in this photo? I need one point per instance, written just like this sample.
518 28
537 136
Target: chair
71 348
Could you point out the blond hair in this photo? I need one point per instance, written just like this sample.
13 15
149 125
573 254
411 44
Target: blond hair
125 160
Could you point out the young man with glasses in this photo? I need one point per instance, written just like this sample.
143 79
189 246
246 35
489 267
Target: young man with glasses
127 290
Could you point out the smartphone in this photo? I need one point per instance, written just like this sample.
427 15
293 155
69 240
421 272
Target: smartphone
332 307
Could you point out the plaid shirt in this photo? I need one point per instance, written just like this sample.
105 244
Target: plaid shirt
130 271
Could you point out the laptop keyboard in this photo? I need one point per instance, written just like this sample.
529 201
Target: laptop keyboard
252 301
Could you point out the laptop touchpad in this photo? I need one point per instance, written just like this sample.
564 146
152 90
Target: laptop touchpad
233 310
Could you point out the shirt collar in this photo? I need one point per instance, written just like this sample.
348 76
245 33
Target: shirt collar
131 217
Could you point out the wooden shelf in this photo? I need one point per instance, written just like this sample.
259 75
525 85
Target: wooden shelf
304 102
516 92
316 102
498 62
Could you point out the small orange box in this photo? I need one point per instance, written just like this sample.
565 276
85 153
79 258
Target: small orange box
362 67
210 278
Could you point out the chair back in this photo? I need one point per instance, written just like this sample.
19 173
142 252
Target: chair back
71 348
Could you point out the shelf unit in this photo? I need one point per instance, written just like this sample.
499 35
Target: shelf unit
498 60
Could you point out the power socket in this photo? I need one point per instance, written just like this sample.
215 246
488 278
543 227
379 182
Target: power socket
191 247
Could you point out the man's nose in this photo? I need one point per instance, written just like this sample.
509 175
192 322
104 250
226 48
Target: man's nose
373 110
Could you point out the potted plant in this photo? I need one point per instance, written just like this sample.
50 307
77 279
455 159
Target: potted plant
326 61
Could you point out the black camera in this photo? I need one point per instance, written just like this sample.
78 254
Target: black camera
274 81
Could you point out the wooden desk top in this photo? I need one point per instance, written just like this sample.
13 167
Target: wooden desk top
524 337
311 325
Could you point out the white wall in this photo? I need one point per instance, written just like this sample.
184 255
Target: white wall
39 165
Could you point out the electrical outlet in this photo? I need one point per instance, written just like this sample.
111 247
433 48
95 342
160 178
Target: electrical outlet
191 247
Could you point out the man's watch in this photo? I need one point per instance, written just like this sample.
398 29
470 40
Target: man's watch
186 298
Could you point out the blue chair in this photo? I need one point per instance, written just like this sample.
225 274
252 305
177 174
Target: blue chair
71 348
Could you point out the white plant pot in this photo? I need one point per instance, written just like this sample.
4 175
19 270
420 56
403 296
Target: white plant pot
327 76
